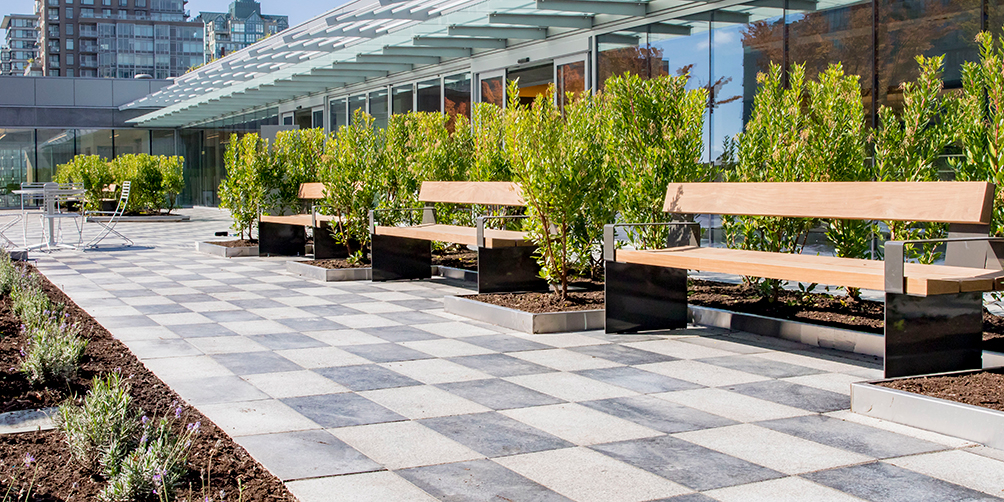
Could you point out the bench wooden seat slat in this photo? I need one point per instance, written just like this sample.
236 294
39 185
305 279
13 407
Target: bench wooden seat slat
457 234
924 280
492 193
943 202
297 219
311 191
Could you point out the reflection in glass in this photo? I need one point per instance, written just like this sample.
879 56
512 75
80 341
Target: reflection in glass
356 103
378 107
162 142
94 142
131 141
533 81
337 114
429 96
492 91
17 159
457 94
571 80
403 100
55 147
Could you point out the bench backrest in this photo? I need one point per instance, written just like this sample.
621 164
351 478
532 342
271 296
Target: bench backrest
311 191
489 193
937 201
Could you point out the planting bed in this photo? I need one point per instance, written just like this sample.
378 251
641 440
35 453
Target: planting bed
334 264
538 303
59 478
985 388
237 243
463 259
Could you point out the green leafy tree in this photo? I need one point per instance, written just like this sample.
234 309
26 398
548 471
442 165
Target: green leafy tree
907 147
977 118
243 190
353 161
399 182
294 158
655 139
172 179
91 170
147 180
489 162
557 163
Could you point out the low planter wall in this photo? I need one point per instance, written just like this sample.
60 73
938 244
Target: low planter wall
551 322
224 251
973 423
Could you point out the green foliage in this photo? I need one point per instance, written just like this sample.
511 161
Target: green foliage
102 431
399 183
91 170
294 159
243 191
977 118
655 139
907 148
489 162
156 180
773 148
172 179
155 466
54 352
353 162
560 166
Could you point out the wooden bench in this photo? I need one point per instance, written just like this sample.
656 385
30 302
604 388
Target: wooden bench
505 257
287 235
933 313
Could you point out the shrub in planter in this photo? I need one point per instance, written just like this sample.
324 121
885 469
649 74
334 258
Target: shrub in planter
489 162
654 139
54 352
561 168
172 179
293 159
243 191
91 170
353 161
101 432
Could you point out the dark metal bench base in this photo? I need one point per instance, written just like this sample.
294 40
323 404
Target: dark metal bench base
933 334
281 239
923 334
500 270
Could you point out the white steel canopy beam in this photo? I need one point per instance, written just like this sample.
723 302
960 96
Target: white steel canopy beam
390 67
720 16
661 28
387 58
545 20
464 42
638 9
442 52
499 32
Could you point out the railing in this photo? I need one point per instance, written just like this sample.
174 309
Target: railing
89 33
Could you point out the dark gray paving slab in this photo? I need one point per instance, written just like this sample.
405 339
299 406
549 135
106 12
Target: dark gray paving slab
174 347
216 289
341 410
880 482
132 293
128 321
386 352
412 318
251 363
330 310
690 497
200 330
172 308
638 380
505 343
310 324
501 365
792 394
419 304
499 394
760 366
284 293
286 341
215 390
258 303
658 414
306 454
366 377
478 481
494 435
621 354
399 334
190 298
686 463
232 316
850 436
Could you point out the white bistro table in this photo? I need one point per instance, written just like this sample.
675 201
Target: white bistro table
51 194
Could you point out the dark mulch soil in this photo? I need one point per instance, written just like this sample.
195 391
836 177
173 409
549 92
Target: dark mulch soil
985 388
60 479
334 263
464 258
239 243
539 303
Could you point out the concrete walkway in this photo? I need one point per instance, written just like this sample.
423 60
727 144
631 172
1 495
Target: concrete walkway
371 392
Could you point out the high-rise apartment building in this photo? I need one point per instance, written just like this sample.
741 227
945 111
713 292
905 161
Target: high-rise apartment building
117 38
19 46
241 26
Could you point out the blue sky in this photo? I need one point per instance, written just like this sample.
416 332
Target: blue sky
297 10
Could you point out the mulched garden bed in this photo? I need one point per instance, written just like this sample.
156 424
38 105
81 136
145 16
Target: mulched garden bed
464 259
582 295
238 243
334 263
985 388
59 478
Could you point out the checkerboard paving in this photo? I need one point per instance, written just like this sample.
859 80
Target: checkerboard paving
371 392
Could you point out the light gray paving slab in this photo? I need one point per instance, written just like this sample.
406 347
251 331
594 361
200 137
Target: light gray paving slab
306 454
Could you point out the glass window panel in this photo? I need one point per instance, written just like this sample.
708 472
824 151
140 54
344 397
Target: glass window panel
356 103
17 162
378 107
403 99
55 147
318 119
429 97
492 91
532 81
132 141
337 114
571 80
457 94
162 143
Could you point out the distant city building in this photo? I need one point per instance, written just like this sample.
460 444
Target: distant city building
117 38
19 46
243 25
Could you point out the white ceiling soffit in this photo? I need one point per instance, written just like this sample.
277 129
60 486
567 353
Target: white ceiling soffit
374 38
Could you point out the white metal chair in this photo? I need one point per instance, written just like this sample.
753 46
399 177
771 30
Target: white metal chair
31 192
108 227
56 204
